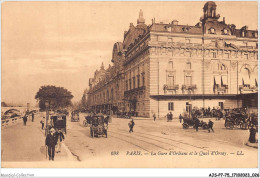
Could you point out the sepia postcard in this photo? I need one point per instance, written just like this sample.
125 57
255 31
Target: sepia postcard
170 84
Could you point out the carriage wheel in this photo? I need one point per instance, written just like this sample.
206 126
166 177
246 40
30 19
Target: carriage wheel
205 126
185 126
229 125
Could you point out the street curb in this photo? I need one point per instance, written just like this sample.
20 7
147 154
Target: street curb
251 145
68 152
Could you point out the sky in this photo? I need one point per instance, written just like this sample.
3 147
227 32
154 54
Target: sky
63 43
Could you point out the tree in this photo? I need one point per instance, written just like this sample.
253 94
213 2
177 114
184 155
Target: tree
56 97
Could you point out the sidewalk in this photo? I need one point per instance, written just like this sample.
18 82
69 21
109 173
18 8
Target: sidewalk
27 143
253 145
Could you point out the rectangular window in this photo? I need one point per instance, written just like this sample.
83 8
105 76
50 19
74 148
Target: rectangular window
130 84
138 81
170 80
133 82
188 81
221 105
126 85
226 55
143 78
170 106
213 55
170 65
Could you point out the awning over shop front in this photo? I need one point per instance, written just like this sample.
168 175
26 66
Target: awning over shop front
217 80
224 80
245 81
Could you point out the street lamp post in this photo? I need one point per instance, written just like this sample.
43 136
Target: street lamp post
47 116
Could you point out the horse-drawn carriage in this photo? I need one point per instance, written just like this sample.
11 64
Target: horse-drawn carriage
74 116
87 121
57 122
236 119
126 115
98 126
187 123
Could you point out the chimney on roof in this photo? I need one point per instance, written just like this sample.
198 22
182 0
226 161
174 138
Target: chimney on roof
175 22
224 20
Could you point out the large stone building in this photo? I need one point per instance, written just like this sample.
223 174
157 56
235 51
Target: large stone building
161 68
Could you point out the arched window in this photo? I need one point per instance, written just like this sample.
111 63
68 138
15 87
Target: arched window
170 65
117 91
222 67
107 95
112 94
245 75
212 31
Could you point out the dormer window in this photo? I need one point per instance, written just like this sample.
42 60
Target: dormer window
212 31
225 32
255 34
185 29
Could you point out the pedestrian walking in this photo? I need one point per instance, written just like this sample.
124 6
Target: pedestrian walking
154 116
51 142
24 120
171 116
131 125
197 123
180 117
60 137
168 117
42 122
32 117
252 134
210 126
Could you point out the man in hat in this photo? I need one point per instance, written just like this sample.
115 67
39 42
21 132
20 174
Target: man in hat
50 142
42 122
197 123
24 120
154 117
131 125
210 126
171 116
32 117
180 118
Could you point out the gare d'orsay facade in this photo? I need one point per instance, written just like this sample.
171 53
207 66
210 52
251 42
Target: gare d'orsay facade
162 68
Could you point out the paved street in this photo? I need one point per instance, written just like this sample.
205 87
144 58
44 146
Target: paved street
157 142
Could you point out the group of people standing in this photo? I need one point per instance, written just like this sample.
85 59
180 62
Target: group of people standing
25 118
169 116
